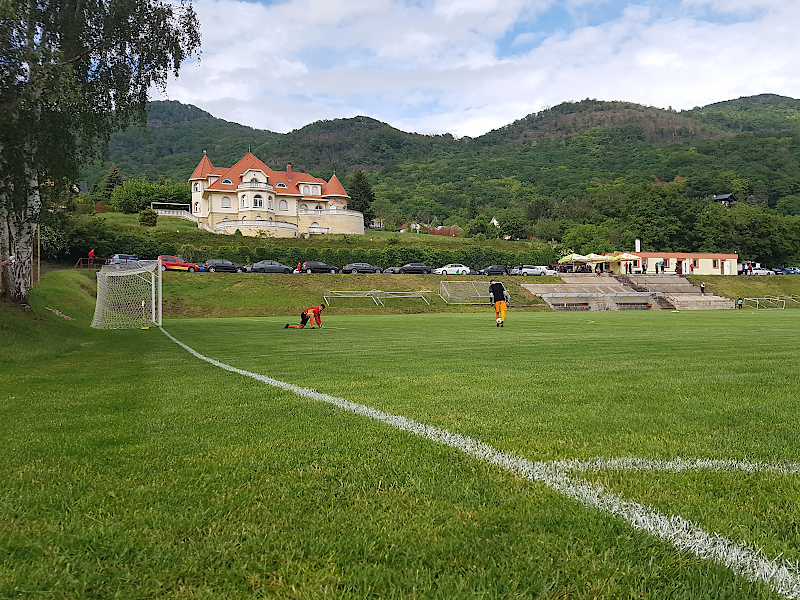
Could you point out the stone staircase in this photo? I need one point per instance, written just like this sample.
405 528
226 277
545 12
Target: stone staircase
675 292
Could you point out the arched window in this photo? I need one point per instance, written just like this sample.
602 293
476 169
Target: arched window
258 201
314 224
269 202
333 207
244 201
270 219
280 184
303 208
196 187
315 190
253 180
227 181
226 219
226 202
244 218
283 205
319 207
196 207
305 190
258 218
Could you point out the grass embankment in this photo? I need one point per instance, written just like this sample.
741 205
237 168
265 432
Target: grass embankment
131 469
757 286
265 294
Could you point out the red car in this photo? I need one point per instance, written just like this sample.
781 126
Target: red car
176 263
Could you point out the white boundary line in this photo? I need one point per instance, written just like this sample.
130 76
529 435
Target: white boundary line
781 575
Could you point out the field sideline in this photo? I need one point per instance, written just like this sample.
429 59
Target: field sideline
168 477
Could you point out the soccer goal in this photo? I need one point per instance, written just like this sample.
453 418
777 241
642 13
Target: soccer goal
464 292
128 295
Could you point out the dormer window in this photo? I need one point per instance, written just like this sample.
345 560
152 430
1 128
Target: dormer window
315 190
253 180
227 181
280 184
306 190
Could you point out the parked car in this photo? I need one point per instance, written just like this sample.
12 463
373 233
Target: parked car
360 268
213 265
316 266
494 270
453 269
119 259
542 270
792 270
761 271
415 268
200 267
268 266
524 270
392 270
176 263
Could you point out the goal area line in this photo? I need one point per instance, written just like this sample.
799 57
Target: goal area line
781 575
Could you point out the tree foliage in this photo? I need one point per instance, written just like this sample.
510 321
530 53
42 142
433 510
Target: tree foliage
71 73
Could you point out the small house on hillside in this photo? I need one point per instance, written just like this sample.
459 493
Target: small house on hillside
724 199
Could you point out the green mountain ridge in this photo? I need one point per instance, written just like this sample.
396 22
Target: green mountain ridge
177 135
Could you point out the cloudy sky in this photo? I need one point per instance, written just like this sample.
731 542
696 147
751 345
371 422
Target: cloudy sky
468 66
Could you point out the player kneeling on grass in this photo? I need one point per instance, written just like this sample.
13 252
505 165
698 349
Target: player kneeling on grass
498 294
311 314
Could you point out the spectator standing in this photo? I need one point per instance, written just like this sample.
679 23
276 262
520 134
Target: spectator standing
91 257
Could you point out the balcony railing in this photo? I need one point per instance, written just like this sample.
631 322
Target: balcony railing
181 214
336 211
255 185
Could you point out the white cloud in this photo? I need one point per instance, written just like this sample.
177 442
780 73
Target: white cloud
435 67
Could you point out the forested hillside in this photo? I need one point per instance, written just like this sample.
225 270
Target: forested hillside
592 175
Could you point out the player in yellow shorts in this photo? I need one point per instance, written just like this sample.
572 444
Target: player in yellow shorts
499 295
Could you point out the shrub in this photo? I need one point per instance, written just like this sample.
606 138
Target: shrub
148 218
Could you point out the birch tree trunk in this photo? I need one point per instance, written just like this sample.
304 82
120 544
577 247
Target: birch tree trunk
23 233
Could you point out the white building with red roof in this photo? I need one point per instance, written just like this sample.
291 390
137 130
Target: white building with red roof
251 197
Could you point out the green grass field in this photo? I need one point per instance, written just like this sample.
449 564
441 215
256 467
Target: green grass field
134 469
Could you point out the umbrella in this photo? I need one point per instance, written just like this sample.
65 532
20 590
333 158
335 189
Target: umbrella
574 257
597 258
627 256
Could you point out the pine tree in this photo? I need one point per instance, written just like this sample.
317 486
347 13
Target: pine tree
113 180
361 196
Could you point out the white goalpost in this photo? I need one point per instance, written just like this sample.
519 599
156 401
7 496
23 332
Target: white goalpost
464 292
128 296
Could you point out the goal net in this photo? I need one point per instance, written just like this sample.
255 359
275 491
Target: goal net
128 296
464 292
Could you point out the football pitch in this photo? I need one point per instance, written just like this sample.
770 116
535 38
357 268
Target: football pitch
578 455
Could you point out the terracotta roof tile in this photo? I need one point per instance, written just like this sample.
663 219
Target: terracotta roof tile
203 168
334 188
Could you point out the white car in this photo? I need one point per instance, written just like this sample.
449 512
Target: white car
762 271
526 270
453 269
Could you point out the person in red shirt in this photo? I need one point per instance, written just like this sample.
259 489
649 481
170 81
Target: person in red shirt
311 314
91 257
